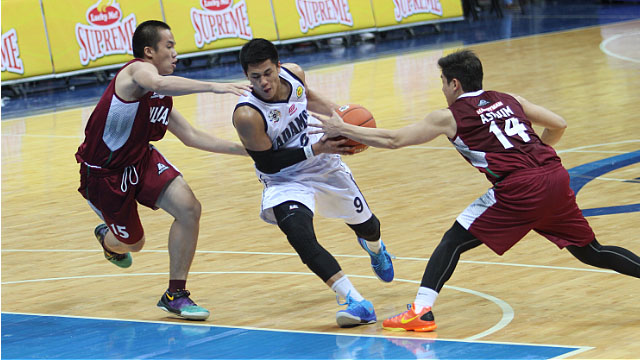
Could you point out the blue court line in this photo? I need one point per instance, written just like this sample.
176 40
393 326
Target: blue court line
28 336
581 175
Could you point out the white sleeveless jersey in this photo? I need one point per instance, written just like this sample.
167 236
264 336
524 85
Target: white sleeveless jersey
286 124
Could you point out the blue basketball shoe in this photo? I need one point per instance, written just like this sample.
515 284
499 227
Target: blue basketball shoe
180 304
356 313
380 262
121 260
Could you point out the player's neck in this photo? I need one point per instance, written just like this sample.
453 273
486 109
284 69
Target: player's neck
283 90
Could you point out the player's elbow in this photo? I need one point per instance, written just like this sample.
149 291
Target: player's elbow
393 144
395 140
561 123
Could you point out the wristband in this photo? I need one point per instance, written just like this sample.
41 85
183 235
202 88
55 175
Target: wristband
308 151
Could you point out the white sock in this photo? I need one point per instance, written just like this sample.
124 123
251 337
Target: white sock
426 297
344 287
374 246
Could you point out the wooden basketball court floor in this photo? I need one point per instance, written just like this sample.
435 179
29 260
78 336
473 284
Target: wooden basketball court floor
59 294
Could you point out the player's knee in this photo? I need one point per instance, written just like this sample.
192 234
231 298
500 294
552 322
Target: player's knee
137 246
368 230
191 210
297 224
130 243
456 237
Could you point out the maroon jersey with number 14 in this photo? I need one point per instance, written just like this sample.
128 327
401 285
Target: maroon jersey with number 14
495 136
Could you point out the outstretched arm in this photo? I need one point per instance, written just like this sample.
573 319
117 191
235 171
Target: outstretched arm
144 75
436 123
190 136
554 125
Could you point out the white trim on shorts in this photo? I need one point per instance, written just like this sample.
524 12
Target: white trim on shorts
476 209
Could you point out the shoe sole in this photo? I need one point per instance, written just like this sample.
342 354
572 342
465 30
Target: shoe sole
193 316
345 320
422 329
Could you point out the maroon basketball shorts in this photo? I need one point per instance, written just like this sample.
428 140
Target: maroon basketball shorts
114 194
538 199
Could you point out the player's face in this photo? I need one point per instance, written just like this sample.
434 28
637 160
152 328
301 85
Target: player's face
449 90
265 79
164 56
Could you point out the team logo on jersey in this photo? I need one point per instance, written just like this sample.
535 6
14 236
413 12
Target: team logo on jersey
292 109
274 115
483 102
161 168
299 92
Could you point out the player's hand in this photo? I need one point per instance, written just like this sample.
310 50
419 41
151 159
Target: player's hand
231 88
332 146
331 126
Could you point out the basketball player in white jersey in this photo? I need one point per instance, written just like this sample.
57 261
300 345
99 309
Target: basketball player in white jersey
302 175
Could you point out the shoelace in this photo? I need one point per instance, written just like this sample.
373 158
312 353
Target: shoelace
184 295
384 259
347 300
127 177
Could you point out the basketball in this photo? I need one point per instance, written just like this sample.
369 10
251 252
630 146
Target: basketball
356 115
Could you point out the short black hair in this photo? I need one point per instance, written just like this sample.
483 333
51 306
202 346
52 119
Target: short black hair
147 34
256 51
465 66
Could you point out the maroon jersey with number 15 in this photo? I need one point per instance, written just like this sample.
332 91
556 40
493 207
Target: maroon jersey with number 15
118 131
494 135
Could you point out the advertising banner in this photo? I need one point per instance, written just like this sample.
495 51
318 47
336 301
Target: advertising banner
200 25
398 12
25 52
86 34
306 18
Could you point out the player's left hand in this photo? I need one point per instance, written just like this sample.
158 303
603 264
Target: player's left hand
331 126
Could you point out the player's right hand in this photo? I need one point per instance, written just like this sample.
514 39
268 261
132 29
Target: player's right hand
332 146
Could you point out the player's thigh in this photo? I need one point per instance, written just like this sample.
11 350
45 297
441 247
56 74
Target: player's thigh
277 193
338 196
498 224
118 210
178 199
156 176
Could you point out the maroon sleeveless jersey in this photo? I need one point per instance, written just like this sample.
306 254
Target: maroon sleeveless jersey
494 135
118 132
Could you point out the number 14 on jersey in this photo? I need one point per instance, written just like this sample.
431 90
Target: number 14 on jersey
512 127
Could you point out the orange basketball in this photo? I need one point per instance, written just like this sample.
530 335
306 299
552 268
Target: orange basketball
356 115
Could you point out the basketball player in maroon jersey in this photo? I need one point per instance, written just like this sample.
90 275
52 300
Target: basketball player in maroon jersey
492 131
119 168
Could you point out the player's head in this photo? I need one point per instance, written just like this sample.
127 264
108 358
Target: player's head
154 42
261 65
461 72
257 51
